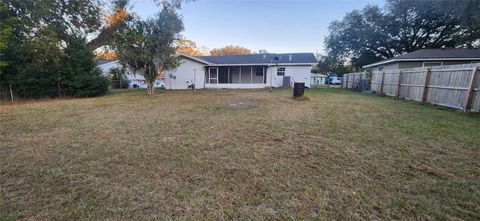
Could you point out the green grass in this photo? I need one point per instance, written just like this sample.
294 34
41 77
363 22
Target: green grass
240 155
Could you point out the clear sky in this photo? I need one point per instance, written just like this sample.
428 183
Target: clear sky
274 25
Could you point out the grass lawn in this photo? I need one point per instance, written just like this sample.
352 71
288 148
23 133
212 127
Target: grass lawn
236 154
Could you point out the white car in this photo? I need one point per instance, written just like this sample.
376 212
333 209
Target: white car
335 80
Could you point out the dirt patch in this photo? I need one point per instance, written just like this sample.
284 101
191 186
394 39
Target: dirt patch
242 105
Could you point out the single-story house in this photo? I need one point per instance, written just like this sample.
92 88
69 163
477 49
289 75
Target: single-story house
318 79
428 58
241 71
134 80
231 71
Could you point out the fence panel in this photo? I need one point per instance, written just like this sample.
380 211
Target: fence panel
412 84
455 86
349 79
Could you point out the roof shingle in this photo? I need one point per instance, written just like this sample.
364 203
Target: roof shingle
285 58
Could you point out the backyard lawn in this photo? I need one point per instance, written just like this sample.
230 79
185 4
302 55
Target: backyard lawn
238 154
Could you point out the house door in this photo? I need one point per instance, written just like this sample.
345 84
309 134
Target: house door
279 75
213 75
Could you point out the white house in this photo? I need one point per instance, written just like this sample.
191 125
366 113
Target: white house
234 71
241 71
134 80
318 79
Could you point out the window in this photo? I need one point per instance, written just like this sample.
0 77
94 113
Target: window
280 71
213 75
259 71
431 64
380 68
475 62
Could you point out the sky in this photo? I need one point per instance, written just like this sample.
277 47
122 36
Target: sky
278 26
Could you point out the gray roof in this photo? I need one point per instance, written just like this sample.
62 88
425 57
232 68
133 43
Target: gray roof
438 54
285 58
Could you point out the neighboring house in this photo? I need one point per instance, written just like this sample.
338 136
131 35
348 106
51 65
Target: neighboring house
135 80
318 79
428 57
241 71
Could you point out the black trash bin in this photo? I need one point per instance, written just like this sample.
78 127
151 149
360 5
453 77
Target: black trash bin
298 89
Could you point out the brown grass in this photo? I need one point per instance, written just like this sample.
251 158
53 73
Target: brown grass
246 155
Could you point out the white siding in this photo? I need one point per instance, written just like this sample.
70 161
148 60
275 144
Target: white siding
183 75
298 74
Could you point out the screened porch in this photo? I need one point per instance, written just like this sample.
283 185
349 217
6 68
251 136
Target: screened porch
239 76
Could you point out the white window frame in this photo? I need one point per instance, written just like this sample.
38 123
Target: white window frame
278 70
436 62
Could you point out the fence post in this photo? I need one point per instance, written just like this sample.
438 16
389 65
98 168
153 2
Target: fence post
11 92
398 85
425 85
469 95
381 83
346 85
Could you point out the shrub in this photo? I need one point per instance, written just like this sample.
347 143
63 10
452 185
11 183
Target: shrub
42 68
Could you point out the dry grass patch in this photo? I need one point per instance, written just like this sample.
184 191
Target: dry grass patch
232 154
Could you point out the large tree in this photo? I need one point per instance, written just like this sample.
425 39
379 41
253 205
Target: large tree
116 16
147 46
230 50
372 34
45 52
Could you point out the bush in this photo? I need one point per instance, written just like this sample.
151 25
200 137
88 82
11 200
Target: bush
41 68
89 85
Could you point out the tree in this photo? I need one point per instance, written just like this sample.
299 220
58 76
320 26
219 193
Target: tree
147 46
328 64
230 50
105 54
6 23
185 46
117 15
45 54
118 76
372 34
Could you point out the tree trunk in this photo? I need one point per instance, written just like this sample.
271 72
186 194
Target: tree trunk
150 88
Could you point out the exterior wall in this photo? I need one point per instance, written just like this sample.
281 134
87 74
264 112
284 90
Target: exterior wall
298 73
391 66
184 75
318 79
237 86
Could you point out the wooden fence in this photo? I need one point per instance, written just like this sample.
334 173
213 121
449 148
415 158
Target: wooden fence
454 86
349 79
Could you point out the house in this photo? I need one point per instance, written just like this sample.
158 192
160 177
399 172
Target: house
428 58
241 71
134 80
318 79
